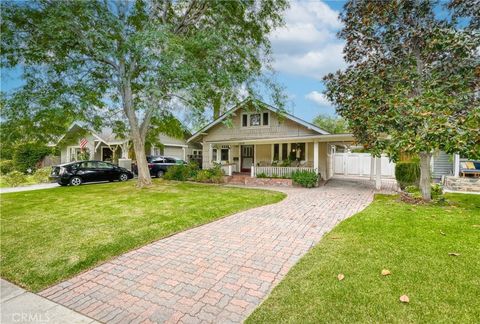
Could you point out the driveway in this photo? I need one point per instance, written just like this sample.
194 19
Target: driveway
219 272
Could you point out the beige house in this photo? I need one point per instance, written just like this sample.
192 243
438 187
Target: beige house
105 145
267 141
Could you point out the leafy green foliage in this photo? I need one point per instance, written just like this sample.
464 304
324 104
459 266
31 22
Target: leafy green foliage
182 172
411 84
6 166
129 63
307 179
27 155
42 175
333 125
407 173
212 175
15 178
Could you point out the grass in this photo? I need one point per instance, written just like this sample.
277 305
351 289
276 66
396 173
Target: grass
50 235
413 242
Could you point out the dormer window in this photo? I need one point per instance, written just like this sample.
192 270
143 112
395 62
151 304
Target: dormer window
255 119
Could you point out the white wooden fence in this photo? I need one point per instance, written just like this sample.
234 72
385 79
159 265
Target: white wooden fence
277 171
359 164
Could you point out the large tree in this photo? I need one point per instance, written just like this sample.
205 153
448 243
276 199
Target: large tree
412 80
103 60
332 124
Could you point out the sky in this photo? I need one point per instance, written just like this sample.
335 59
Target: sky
304 50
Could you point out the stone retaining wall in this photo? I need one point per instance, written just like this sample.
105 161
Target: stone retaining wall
462 184
268 182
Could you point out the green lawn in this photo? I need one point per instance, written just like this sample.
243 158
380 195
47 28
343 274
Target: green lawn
413 242
50 235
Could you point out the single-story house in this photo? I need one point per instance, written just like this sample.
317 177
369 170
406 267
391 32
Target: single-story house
105 145
262 140
266 140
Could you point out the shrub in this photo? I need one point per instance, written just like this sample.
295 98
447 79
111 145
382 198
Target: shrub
27 155
182 172
214 175
436 190
407 173
203 176
307 179
15 178
6 166
42 175
262 175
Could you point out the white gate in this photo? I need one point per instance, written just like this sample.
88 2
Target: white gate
359 164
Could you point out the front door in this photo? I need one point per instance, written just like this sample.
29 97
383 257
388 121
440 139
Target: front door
246 157
107 154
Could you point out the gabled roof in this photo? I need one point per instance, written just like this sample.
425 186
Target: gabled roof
106 135
229 112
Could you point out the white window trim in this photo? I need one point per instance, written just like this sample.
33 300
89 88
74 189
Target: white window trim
261 119
69 151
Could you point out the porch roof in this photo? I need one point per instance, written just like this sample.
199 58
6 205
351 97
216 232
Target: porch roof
292 139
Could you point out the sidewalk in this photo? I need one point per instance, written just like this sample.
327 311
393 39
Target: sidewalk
31 187
20 306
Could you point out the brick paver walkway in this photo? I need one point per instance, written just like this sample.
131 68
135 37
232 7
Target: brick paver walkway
217 272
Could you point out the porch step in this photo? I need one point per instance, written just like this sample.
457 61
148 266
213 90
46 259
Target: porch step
236 179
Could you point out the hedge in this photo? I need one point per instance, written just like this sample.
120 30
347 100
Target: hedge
27 155
407 173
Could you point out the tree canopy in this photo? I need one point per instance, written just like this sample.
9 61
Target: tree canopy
411 84
332 124
129 62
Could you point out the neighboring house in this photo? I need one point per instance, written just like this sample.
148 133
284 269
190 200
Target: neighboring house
267 141
107 146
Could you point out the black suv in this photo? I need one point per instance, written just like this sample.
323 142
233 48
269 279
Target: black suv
158 165
76 173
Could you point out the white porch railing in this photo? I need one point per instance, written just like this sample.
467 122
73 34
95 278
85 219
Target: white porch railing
276 171
228 169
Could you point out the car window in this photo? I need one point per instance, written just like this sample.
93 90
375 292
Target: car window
89 165
158 161
104 165
170 160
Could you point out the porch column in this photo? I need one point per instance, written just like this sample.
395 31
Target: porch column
210 155
184 154
315 157
456 165
372 166
378 179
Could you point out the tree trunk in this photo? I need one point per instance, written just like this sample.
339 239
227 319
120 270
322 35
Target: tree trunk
144 178
425 177
138 137
217 106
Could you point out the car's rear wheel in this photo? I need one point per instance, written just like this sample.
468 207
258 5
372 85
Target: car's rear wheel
123 177
75 181
160 174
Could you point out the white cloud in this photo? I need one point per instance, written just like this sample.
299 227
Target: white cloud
307 45
319 99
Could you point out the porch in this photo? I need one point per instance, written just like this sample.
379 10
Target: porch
275 157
